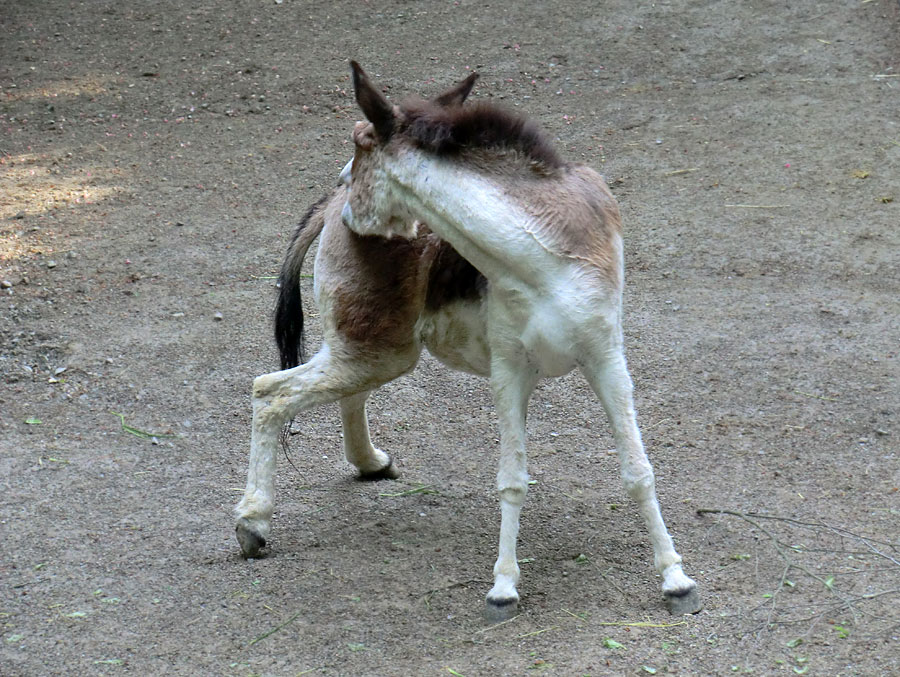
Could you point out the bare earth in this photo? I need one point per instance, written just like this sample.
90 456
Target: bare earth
155 159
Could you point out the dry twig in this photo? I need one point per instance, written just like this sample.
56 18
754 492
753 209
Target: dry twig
884 549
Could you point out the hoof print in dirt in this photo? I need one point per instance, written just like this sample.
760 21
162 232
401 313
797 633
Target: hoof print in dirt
687 603
251 542
388 472
497 611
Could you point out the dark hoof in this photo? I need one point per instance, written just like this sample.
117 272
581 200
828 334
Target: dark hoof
499 610
388 472
688 602
250 541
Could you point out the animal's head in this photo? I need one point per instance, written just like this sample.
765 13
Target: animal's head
370 208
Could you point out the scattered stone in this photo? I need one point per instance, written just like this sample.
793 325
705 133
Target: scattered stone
5 284
218 317
51 264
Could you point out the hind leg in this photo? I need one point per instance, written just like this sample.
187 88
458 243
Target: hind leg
372 463
609 378
277 398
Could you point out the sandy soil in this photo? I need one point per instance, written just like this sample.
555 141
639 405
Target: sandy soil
154 159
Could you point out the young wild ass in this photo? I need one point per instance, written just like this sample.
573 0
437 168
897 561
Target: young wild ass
517 276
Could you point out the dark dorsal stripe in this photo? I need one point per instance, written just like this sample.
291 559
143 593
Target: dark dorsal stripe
448 131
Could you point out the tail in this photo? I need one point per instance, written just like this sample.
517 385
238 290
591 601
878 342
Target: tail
289 308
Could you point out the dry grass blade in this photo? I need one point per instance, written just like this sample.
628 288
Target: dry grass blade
758 206
137 432
275 629
424 489
643 624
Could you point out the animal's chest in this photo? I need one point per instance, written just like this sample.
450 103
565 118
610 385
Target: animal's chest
534 328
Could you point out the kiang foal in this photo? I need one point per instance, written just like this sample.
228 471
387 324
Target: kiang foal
517 276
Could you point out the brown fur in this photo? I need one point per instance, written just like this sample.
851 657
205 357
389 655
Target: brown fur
450 277
451 131
541 316
381 287
575 216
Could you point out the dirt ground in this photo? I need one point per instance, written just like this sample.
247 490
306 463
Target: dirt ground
154 159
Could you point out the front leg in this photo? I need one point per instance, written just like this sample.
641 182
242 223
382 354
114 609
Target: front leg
512 382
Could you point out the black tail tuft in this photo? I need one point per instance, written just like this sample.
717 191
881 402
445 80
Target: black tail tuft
289 323
289 307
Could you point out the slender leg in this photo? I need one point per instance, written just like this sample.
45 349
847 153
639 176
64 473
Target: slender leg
277 398
372 463
512 386
609 378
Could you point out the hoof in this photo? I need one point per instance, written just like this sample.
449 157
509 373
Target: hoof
688 602
388 472
499 610
250 541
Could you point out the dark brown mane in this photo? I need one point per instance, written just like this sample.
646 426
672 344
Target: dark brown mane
448 131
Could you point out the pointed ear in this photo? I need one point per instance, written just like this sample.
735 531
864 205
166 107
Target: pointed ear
373 104
456 96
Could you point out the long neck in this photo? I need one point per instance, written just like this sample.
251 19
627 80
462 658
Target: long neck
468 210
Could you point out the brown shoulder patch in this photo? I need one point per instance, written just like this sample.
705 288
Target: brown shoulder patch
452 278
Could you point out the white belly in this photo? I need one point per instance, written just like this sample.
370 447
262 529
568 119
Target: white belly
456 335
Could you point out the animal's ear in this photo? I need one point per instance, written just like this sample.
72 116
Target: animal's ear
374 106
456 96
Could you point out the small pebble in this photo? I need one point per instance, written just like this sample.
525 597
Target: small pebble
218 316
5 284
51 264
